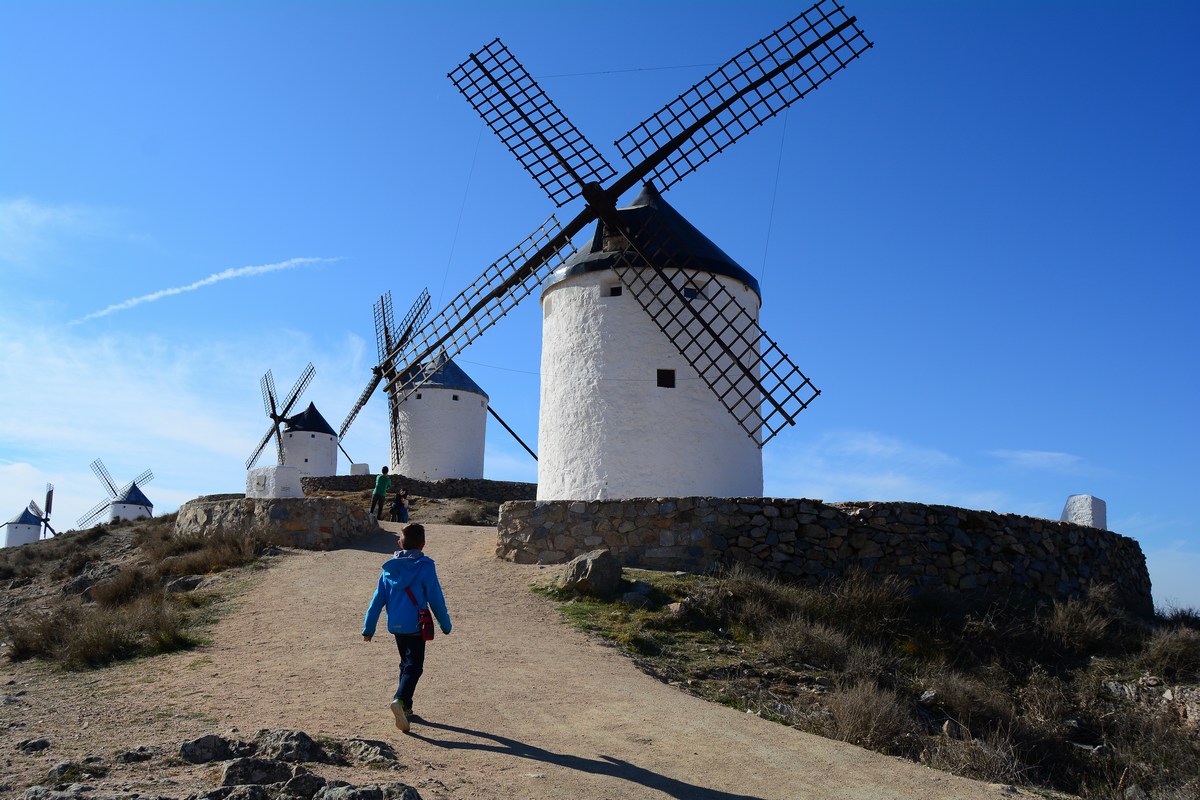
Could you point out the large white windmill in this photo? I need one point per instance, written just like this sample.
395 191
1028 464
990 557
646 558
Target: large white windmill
698 321
623 412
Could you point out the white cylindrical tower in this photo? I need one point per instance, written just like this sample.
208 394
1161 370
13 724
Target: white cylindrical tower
623 414
24 528
309 444
442 427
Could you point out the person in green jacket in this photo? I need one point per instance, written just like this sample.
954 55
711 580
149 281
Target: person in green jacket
382 484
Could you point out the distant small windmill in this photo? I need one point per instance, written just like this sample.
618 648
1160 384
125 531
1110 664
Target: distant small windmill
711 324
44 516
388 340
127 502
278 413
28 526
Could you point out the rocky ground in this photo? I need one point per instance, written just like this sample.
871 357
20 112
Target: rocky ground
515 703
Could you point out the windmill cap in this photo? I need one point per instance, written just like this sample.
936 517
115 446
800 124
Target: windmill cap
647 208
26 517
310 421
451 376
133 496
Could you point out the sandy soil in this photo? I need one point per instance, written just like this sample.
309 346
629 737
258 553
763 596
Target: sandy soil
514 704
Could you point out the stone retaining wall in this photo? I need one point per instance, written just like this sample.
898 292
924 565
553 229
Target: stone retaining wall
480 489
312 523
977 554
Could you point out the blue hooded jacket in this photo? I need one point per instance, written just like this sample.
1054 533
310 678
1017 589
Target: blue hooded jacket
414 570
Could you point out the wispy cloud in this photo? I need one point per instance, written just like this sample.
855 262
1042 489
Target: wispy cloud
225 275
862 465
1039 460
28 227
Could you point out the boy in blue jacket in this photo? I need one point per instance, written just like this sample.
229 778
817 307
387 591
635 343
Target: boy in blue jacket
412 570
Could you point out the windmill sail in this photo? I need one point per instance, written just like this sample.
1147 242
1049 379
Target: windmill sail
512 104
278 414
746 91
744 367
493 294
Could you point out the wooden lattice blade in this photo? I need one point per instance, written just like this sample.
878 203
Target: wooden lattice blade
746 91
512 104
363 397
492 295
745 369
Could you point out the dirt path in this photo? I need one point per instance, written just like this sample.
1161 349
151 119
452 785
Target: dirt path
515 703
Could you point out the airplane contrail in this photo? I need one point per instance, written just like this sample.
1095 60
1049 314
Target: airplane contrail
224 275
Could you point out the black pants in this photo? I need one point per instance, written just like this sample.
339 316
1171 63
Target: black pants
412 664
377 498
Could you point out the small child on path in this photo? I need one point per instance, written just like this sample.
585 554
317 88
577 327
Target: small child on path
394 512
410 571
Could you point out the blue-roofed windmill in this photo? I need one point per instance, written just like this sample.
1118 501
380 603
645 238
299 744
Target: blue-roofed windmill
30 525
443 425
278 413
127 502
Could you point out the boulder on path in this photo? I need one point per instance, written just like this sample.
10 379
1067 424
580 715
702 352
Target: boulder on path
211 748
597 573
293 746
255 771
386 791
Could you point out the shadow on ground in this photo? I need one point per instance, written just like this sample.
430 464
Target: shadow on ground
603 765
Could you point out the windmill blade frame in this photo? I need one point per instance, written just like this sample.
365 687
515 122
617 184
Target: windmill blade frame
415 316
529 123
491 296
104 477
742 94
713 332
298 389
384 324
93 514
140 480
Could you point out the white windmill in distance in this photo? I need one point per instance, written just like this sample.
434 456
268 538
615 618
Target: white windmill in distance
30 525
127 502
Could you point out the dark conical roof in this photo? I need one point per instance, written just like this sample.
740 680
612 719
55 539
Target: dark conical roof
649 211
310 421
451 376
133 496
26 517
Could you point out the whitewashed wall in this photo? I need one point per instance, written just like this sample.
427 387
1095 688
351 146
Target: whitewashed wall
314 454
128 511
13 535
606 429
442 437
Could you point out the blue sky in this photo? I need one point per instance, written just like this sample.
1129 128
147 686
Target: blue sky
980 240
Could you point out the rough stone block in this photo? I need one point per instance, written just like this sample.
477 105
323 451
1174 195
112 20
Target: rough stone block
272 482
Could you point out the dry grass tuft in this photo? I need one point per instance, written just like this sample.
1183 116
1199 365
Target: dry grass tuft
1173 653
867 716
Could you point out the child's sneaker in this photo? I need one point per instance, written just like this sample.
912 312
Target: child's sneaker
400 715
